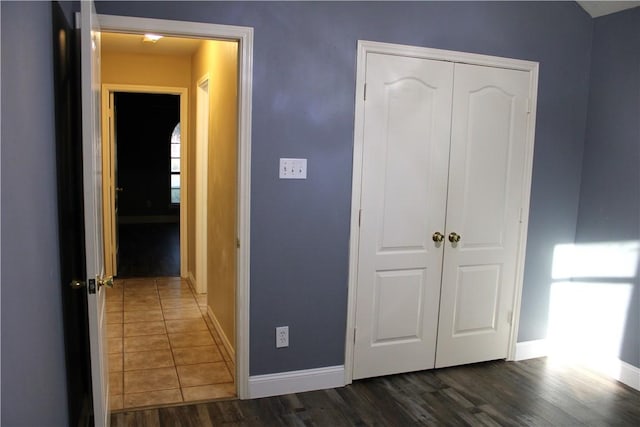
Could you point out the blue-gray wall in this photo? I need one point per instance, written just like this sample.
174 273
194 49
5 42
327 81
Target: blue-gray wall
303 106
610 193
304 82
33 368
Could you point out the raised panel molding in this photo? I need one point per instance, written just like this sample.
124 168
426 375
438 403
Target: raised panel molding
477 285
399 204
398 289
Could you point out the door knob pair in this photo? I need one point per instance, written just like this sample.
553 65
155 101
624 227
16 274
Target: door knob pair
439 237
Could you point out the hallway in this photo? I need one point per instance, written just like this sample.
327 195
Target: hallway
163 349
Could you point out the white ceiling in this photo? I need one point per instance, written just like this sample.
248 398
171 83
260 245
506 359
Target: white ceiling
132 43
601 8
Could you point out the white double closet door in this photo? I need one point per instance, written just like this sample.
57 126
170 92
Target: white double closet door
444 150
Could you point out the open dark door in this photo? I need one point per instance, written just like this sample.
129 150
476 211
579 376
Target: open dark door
66 50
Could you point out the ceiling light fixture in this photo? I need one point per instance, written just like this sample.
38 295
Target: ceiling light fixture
151 38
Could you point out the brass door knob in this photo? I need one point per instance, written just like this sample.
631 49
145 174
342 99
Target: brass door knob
437 237
454 237
105 281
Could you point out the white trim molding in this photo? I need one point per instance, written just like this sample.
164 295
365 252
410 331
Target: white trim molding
628 374
244 36
201 167
366 47
296 381
615 369
530 349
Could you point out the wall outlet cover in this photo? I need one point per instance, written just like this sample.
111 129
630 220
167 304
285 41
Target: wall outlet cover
282 336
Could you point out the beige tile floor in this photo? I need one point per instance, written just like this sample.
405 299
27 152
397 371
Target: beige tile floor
163 349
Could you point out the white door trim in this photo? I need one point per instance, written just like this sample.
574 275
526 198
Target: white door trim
244 35
109 199
201 167
366 47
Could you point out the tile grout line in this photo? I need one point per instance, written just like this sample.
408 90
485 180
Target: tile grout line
202 317
173 358
107 303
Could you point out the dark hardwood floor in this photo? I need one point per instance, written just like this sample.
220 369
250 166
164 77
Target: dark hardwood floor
531 393
149 250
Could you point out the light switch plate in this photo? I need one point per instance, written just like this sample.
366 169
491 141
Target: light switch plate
293 168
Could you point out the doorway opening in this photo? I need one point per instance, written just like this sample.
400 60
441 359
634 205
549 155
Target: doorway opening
146 141
172 331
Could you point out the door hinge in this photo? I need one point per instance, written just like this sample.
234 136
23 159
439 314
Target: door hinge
510 317
529 105
237 243
354 335
359 217
365 91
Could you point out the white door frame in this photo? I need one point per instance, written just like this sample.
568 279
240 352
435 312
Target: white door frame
108 161
202 167
366 47
244 36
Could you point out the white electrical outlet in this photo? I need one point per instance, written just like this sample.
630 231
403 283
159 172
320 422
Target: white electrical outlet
293 168
282 336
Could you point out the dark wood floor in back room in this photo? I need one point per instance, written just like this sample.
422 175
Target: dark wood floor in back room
148 250
535 392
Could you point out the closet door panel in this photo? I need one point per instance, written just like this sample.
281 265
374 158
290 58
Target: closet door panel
405 158
488 135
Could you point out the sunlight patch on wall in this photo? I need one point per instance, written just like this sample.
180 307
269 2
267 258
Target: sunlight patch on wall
595 260
589 303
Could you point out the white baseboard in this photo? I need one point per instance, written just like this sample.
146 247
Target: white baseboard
225 340
627 374
530 349
296 381
616 369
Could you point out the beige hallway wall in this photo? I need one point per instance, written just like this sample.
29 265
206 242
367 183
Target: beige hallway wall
148 70
219 60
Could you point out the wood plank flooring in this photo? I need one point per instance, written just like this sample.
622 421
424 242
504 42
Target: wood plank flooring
535 392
